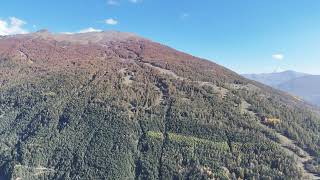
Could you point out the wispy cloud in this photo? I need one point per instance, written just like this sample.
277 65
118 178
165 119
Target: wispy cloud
90 29
278 56
111 21
12 26
86 30
113 2
117 2
184 15
135 1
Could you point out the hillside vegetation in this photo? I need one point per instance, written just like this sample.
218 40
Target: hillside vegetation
116 106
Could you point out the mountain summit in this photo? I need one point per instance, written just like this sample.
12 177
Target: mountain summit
113 105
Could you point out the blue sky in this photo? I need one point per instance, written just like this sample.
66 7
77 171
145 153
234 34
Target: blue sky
247 36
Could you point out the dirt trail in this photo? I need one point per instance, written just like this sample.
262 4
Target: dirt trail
127 76
160 99
221 90
289 146
300 155
164 71
244 108
34 171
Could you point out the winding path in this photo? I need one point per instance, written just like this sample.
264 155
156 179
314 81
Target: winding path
301 156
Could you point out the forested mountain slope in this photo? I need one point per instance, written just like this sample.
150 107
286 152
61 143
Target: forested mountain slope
113 105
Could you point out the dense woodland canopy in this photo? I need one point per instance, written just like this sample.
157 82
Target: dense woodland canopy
115 106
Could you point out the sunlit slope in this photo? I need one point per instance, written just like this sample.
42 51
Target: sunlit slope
114 105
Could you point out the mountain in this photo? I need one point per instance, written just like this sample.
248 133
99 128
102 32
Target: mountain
307 87
274 79
114 105
299 84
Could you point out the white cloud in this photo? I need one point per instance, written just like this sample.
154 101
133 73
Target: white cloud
117 2
111 21
113 2
278 56
90 29
135 1
12 26
87 30
68 33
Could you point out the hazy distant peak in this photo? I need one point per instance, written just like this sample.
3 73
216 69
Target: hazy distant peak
42 31
274 79
307 87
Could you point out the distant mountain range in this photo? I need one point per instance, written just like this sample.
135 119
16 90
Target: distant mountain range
304 85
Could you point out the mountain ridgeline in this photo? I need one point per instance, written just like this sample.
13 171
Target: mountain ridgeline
307 87
276 78
303 85
113 105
